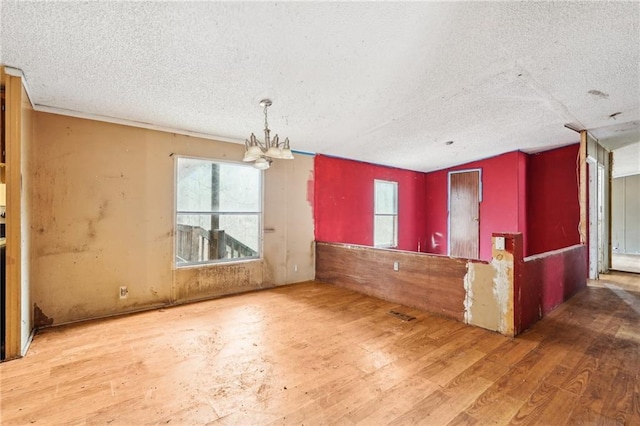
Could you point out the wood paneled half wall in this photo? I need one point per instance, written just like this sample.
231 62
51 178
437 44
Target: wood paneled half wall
429 282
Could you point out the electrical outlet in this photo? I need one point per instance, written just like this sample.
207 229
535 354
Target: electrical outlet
396 266
295 268
124 292
499 243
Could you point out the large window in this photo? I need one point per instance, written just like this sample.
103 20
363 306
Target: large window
385 214
218 211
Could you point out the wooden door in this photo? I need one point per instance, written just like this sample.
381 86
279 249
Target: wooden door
464 214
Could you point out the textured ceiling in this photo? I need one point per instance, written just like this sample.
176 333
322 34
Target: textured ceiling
626 160
382 82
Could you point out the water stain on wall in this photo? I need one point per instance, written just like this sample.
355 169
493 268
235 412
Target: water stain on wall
310 189
598 94
91 222
216 280
61 249
39 318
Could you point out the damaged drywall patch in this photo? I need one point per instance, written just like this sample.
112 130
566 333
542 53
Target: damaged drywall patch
39 318
480 303
501 291
469 277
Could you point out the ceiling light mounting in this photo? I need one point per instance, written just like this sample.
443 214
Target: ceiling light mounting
262 154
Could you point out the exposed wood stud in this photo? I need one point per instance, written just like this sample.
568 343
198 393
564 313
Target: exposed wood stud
583 187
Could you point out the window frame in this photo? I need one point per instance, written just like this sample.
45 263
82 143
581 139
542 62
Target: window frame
176 213
396 225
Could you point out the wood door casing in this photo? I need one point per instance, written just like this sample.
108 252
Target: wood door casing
464 214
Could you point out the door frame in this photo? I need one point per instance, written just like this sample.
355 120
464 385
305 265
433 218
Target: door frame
479 170
596 217
13 251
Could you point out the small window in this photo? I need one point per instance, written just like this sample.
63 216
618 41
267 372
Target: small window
218 212
385 220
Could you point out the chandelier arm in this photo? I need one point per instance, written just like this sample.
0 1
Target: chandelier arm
256 142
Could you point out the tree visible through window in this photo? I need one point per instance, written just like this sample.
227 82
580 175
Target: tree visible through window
385 219
218 211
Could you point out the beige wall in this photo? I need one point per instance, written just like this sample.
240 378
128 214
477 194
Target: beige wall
102 217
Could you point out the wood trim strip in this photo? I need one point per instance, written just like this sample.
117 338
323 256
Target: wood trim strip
13 117
582 227
609 212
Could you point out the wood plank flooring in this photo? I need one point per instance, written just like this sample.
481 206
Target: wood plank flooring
625 280
314 353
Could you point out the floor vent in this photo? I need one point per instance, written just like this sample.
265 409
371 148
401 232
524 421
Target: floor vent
400 315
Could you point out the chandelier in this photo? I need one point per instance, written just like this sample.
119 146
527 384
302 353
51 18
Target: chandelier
262 154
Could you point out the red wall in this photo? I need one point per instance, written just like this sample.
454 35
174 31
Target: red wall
343 205
436 224
552 198
536 195
501 209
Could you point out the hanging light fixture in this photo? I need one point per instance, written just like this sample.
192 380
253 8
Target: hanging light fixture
262 153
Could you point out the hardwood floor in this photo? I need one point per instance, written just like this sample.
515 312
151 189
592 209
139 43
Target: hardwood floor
317 354
614 279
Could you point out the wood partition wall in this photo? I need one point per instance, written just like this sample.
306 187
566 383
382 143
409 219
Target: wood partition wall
429 282
507 295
